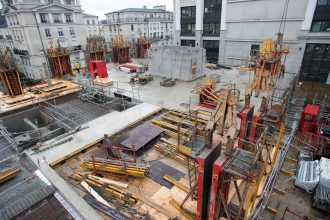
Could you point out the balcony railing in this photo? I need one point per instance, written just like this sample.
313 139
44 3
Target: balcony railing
21 52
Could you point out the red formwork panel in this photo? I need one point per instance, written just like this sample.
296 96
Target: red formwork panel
205 169
99 67
217 176
245 116
256 119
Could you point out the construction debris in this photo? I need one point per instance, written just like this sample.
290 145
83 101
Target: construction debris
110 189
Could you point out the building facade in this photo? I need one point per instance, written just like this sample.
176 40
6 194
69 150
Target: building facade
131 23
92 25
229 29
33 24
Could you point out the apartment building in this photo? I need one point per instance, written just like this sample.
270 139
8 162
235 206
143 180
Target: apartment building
229 29
33 24
6 40
131 23
92 26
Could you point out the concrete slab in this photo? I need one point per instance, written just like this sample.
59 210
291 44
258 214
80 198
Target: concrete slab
70 194
107 124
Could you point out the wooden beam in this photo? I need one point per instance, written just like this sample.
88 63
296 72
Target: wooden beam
271 210
176 183
183 211
291 160
279 191
286 172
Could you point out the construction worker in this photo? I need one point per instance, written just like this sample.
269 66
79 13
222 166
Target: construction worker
77 66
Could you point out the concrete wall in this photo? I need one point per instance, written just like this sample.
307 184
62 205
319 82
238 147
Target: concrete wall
176 62
251 22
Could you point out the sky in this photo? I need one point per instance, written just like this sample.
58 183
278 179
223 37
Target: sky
100 7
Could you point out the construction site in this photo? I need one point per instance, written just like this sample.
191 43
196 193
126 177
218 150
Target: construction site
163 135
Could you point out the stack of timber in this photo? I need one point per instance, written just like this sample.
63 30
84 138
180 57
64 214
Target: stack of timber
8 174
114 191
169 123
116 166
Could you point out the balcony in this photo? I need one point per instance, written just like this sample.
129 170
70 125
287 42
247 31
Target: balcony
21 52
9 37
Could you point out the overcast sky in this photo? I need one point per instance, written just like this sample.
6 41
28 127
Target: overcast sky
100 7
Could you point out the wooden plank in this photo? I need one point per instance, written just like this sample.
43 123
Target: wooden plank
183 211
286 172
111 182
271 210
279 191
176 183
103 208
94 193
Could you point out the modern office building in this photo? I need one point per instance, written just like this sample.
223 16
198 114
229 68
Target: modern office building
131 23
229 29
33 24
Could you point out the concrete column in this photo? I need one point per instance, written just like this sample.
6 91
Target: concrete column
63 18
50 18
74 17
306 24
199 23
177 23
222 43
38 18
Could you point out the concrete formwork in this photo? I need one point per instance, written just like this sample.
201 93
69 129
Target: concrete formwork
176 62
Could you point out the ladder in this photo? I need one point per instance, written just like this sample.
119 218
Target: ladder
14 84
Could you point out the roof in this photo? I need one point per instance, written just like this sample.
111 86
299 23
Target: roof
141 10
3 22
88 15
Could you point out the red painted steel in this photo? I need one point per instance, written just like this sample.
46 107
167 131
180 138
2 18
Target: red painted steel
99 68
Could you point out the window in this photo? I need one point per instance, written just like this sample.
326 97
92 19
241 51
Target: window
323 2
212 8
47 32
68 18
44 18
211 29
132 27
316 63
110 28
320 26
60 32
93 21
87 21
188 11
254 50
57 18
72 33
188 29
188 43
212 50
